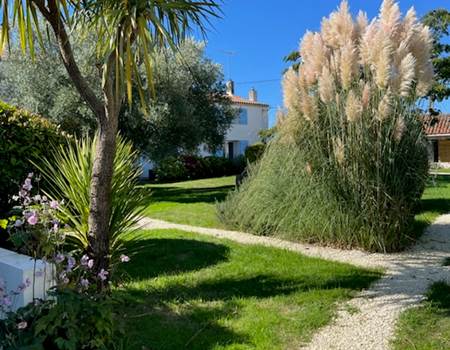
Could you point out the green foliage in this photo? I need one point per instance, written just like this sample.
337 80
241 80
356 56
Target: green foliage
24 137
75 322
192 167
439 22
189 107
68 173
255 152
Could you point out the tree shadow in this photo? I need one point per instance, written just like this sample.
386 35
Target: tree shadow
186 195
162 256
188 314
439 296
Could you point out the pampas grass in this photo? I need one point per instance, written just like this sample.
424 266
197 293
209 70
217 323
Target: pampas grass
350 161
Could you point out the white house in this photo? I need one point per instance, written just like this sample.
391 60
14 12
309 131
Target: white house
252 118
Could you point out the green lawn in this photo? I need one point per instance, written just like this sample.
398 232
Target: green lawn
435 201
188 202
428 326
186 291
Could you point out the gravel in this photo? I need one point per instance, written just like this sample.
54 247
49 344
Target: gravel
368 320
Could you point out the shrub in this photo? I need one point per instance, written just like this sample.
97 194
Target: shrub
255 152
76 321
189 167
24 137
68 173
349 163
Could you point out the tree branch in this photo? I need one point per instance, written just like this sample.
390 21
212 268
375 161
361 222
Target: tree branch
53 17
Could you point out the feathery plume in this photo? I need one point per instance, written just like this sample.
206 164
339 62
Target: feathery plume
291 89
339 27
390 18
399 128
382 64
406 74
353 107
384 107
349 64
309 107
361 23
338 149
326 85
366 94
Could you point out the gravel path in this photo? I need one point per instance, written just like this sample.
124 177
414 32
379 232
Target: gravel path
368 321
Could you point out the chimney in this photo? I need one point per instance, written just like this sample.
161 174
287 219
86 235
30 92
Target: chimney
230 87
252 95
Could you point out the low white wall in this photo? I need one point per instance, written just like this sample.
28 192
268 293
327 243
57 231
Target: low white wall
16 269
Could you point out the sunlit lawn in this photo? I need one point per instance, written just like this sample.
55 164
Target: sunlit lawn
428 326
189 202
186 291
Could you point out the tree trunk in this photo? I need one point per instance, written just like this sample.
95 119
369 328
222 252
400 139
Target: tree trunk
102 174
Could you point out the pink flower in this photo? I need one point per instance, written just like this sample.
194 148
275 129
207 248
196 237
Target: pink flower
124 258
84 260
7 301
103 274
84 283
33 218
54 204
59 258
30 175
70 263
90 263
22 325
27 185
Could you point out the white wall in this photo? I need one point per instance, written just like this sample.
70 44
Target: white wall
258 119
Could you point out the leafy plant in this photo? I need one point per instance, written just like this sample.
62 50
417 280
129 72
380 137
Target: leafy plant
77 321
69 173
23 137
349 163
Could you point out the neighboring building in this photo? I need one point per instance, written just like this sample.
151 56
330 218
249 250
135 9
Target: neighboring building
437 129
253 116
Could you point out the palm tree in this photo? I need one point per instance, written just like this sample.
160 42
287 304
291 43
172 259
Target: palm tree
127 31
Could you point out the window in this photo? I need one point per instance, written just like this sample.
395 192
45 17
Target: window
243 146
243 118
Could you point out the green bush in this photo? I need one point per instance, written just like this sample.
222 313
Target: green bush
24 137
189 167
255 152
76 321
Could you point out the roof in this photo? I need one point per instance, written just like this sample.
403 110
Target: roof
437 125
244 101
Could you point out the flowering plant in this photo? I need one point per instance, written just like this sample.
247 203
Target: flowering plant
35 230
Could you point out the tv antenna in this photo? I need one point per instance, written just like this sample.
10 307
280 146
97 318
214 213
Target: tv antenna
229 55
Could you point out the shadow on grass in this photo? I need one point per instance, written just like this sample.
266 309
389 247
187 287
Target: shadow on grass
439 296
185 195
182 313
161 256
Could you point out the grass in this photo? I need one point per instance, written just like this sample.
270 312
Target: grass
428 326
435 201
441 170
186 291
188 202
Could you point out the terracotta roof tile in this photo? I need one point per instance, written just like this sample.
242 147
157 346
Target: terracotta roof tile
437 125
241 100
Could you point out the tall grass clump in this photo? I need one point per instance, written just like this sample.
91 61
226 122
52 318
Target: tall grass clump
69 173
349 164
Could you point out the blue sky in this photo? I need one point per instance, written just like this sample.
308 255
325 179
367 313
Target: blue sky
261 32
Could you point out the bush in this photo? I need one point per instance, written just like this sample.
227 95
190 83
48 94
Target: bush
189 167
349 163
76 321
255 152
24 137
69 172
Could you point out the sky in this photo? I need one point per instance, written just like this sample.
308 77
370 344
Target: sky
253 36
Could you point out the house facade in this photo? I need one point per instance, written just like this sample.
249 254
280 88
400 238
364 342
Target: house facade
437 129
253 116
